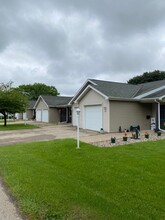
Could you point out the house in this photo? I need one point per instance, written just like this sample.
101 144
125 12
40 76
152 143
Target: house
30 112
113 105
53 109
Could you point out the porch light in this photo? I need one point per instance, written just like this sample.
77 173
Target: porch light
78 133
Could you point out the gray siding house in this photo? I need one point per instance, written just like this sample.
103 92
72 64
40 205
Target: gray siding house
29 114
112 105
53 109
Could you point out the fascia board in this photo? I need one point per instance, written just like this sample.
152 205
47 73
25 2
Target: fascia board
150 92
123 99
88 88
40 97
162 97
37 102
79 91
147 100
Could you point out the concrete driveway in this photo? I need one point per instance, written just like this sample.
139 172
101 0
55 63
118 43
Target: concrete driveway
51 132
44 133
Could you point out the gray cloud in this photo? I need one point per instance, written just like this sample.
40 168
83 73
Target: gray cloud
62 43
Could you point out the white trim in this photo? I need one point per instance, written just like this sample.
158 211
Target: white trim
81 94
40 97
163 96
100 93
150 92
86 82
90 87
92 82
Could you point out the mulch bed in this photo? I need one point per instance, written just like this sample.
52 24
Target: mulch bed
130 140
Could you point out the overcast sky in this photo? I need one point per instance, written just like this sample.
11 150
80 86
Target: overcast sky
65 42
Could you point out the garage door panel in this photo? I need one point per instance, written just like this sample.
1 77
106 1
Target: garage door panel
45 115
24 116
38 115
93 117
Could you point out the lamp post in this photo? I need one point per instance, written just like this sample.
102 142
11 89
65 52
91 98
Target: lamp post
78 133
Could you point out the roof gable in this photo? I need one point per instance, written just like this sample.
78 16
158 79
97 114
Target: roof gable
54 101
107 89
121 91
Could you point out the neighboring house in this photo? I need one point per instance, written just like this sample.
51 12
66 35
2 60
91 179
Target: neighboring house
111 105
29 114
53 109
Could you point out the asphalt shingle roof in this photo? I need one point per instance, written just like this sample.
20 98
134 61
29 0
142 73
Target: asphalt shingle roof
115 89
147 87
31 104
156 94
124 90
55 101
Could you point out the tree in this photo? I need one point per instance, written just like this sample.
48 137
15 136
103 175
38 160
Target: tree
11 101
147 77
37 89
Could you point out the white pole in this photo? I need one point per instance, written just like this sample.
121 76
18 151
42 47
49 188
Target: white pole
78 133
78 129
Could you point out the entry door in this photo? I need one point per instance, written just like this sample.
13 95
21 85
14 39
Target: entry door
93 117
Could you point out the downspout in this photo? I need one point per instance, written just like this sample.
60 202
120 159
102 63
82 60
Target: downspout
159 116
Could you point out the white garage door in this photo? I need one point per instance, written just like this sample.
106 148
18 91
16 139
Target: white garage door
24 116
93 117
38 115
45 115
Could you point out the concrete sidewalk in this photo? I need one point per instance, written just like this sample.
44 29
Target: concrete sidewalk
8 210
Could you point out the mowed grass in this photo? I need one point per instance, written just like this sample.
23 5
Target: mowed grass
54 180
17 127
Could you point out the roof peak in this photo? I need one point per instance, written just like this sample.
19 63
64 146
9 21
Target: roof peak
123 83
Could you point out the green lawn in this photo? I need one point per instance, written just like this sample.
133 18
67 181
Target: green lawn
17 127
54 180
8 120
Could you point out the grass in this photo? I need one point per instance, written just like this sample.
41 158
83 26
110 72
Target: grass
17 127
8 120
54 180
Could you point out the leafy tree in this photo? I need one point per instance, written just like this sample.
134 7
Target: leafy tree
11 101
37 89
147 77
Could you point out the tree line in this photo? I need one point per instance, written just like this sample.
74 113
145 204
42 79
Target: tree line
15 100
147 77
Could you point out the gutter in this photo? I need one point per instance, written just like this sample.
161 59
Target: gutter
159 116
122 99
